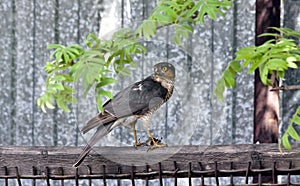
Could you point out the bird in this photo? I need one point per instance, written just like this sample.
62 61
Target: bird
138 101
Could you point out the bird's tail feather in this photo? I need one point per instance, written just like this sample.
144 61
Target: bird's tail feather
101 131
83 154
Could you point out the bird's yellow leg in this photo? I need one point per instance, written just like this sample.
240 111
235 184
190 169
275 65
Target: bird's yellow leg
137 143
155 144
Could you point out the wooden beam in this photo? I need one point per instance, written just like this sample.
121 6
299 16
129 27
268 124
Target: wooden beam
124 162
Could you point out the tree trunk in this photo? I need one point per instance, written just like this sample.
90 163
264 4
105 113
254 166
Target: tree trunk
266 102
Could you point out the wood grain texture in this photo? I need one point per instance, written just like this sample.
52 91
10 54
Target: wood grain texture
56 162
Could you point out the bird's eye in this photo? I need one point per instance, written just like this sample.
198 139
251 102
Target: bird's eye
164 69
155 69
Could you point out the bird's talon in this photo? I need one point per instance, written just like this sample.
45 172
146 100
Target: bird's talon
155 143
139 144
152 147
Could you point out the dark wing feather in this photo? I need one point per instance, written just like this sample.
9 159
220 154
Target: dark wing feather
99 120
136 99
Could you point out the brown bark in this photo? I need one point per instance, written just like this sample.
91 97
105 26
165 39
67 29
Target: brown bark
266 102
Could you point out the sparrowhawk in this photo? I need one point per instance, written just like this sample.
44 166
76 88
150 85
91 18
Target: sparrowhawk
138 101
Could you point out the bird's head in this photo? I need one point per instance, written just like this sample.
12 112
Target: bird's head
164 71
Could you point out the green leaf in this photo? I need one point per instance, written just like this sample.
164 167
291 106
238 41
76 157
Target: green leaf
58 55
285 142
147 29
177 39
269 35
49 105
92 40
65 56
255 64
43 108
89 71
71 99
211 13
87 89
61 104
105 93
235 65
293 133
287 31
53 46
41 104
194 9
264 72
181 31
245 53
220 88
124 71
58 86
295 119
99 103
229 79
106 81
280 74
290 62
298 111
277 64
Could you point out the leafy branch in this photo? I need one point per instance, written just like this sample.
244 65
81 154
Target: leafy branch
291 132
276 55
94 64
91 65
57 87
182 14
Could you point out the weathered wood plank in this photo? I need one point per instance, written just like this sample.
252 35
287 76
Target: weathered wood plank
7 40
44 26
68 33
240 99
119 162
290 99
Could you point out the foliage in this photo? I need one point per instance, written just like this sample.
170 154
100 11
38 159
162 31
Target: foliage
94 64
228 78
291 132
57 87
182 14
278 55
91 65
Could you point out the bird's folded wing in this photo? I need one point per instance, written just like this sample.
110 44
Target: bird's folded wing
137 99
102 119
